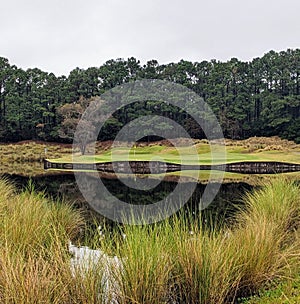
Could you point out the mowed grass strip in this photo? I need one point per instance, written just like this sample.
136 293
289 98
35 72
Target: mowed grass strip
202 153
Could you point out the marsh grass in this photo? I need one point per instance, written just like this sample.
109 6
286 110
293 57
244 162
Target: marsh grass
146 273
218 266
276 202
179 260
34 256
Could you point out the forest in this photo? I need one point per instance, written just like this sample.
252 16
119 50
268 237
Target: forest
256 98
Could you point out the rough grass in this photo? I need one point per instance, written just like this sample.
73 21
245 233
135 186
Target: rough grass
32 151
34 257
174 261
178 261
26 158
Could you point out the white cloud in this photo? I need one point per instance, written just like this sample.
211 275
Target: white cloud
61 35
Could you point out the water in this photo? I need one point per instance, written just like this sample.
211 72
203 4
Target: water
64 186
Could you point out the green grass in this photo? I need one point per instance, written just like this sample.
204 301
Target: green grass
236 151
282 292
253 149
26 158
198 153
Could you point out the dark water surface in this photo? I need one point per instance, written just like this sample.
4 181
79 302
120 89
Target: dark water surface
64 186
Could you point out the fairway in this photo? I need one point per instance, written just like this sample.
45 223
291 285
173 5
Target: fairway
199 153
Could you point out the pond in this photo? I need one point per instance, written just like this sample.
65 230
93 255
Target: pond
63 184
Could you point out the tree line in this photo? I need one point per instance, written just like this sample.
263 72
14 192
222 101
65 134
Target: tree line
256 98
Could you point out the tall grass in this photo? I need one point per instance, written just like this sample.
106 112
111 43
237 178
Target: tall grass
178 260
146 271
34 256
268 234
218 267
169 263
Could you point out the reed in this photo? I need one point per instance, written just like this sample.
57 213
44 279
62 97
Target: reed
179 260
182 263
34 257
145 272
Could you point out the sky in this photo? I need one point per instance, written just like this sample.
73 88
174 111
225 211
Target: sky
59 35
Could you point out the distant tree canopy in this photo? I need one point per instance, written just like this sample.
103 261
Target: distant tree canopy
257 98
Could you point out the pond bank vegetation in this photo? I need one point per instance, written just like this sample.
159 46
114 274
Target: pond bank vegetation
178 260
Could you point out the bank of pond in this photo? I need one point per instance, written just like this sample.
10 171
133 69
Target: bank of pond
246 240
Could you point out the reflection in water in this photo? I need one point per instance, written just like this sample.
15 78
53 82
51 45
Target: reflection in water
223 206
157 167
85 259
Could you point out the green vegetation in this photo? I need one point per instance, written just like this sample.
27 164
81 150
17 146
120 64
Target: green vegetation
178 260
257 98
285 292
265 149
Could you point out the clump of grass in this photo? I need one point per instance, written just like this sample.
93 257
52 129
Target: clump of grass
30 221
267 234
146 270
277 202
204 264
218 267
34 256
28 279
178 262
175 261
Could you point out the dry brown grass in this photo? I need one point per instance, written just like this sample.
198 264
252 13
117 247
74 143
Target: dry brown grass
162 263
32 151
258 144
34 257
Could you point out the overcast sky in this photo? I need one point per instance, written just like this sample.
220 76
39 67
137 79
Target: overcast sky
60 35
